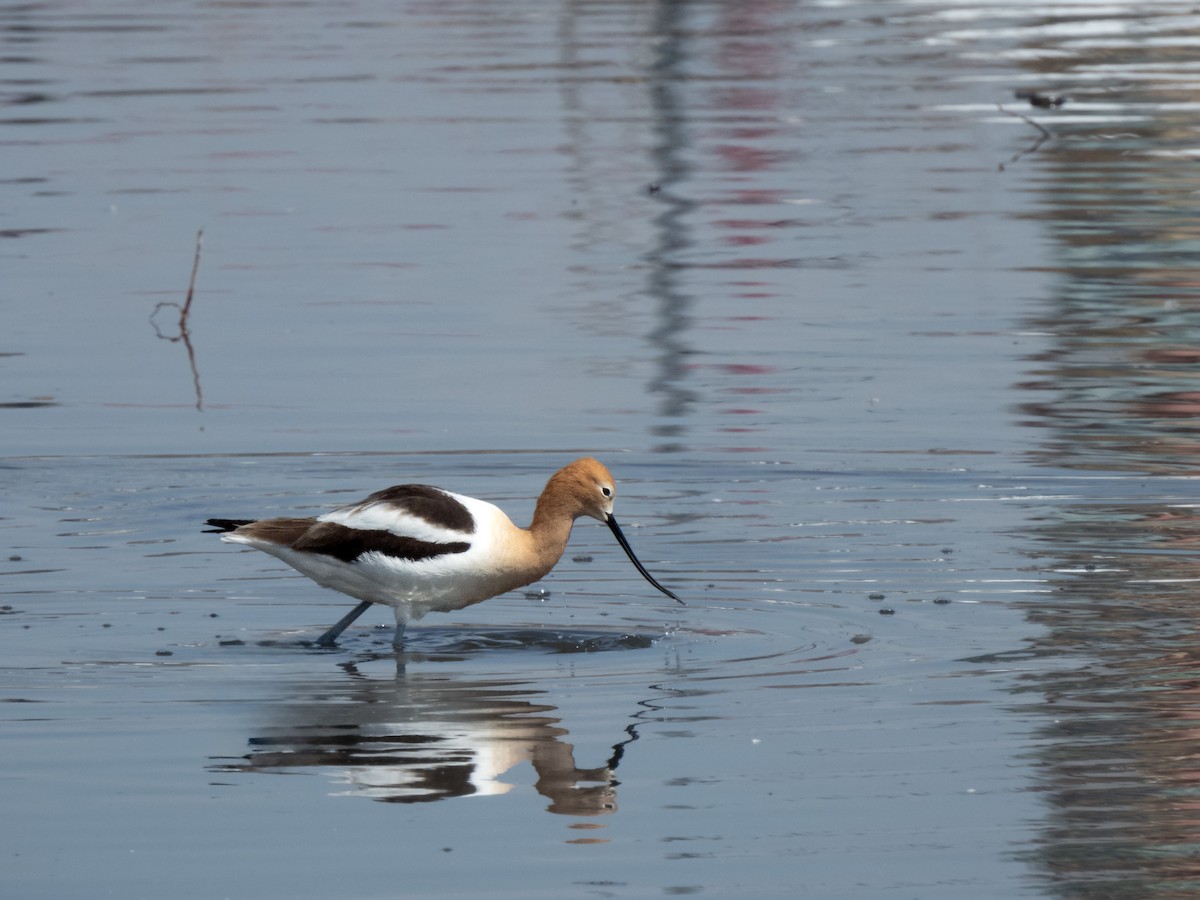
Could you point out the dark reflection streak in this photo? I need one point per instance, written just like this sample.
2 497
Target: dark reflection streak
1115 393
631 729
618 753
575 122
665 77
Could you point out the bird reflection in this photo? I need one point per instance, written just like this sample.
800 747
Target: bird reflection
421 737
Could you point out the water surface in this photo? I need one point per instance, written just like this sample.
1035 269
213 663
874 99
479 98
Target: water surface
893 367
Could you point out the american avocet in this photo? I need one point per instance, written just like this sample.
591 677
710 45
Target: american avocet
421 549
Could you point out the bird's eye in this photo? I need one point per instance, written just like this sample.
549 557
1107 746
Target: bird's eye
607 492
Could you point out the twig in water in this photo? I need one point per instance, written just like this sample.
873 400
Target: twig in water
1035 146
184 310
187 303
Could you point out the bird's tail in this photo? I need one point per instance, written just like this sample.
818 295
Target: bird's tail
220 526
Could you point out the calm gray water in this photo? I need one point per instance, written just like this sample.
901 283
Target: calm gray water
896 369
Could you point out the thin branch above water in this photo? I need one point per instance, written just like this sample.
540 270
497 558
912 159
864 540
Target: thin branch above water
184 311
1044 135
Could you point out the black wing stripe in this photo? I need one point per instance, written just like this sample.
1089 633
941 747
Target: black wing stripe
348 544
432 504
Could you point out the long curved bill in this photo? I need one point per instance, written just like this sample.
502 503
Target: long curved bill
616 530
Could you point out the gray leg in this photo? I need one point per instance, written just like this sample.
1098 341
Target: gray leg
401 622
329 638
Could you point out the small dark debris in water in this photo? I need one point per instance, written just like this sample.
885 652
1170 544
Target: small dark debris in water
887 611
1090 567
941 601
859 638
23 232
231 642
163 653
212 615
874 596
161 628
6 608
106 625
537 595
582 557
1040 100
16 557
653 188
946 551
